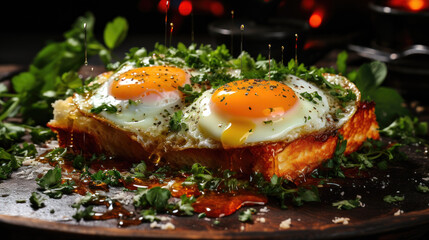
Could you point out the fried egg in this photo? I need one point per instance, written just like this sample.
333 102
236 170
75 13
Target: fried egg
144 97
241 113
249 112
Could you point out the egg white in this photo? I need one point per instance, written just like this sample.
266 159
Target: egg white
151 112
305 116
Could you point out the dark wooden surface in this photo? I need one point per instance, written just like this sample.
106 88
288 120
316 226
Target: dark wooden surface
375 220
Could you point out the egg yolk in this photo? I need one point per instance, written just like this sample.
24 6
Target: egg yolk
140 82
254 99
236 133
247 100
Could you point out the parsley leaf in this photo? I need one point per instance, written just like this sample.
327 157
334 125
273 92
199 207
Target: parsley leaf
110 177
139 170
311 96
86 214
149 215
155 197
246 215
8 163
37 201
190 94
185 205
158 197
332 167
176 124
392 199
104 107
408 130
422 188
51 179
348 204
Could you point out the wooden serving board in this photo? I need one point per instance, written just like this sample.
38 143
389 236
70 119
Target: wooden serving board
311 221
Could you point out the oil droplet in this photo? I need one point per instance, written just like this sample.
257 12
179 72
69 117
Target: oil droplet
232 33
155 158
167 6
192 27
171 32
296 48
241 45
85 45
283 49
269 61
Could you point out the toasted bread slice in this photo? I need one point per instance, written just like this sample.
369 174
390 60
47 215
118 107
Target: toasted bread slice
87 134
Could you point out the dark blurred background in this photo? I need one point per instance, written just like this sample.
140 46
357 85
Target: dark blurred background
392 31
29 24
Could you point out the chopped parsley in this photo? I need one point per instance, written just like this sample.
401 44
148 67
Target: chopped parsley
348 204
246 215
51 184
311 96
175 124
393 199
276 188
190 93
422 188
104 107
37 201
111 177
408 130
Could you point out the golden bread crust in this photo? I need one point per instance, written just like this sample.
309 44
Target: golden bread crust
86 134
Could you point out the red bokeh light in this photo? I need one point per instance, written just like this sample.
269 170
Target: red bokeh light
316 18
163 5
216 8
185 8
412 5
307 4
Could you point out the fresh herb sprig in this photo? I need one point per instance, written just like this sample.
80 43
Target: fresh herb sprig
276 188
51 184
53 73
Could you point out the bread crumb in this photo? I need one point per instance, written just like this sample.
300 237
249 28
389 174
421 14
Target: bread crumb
399 212
153 224
342 220
286 224
166 226
264 210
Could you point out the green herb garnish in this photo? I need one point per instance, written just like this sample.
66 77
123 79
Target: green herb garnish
104 107
246 215
37 201
348 204
176 124
392 199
